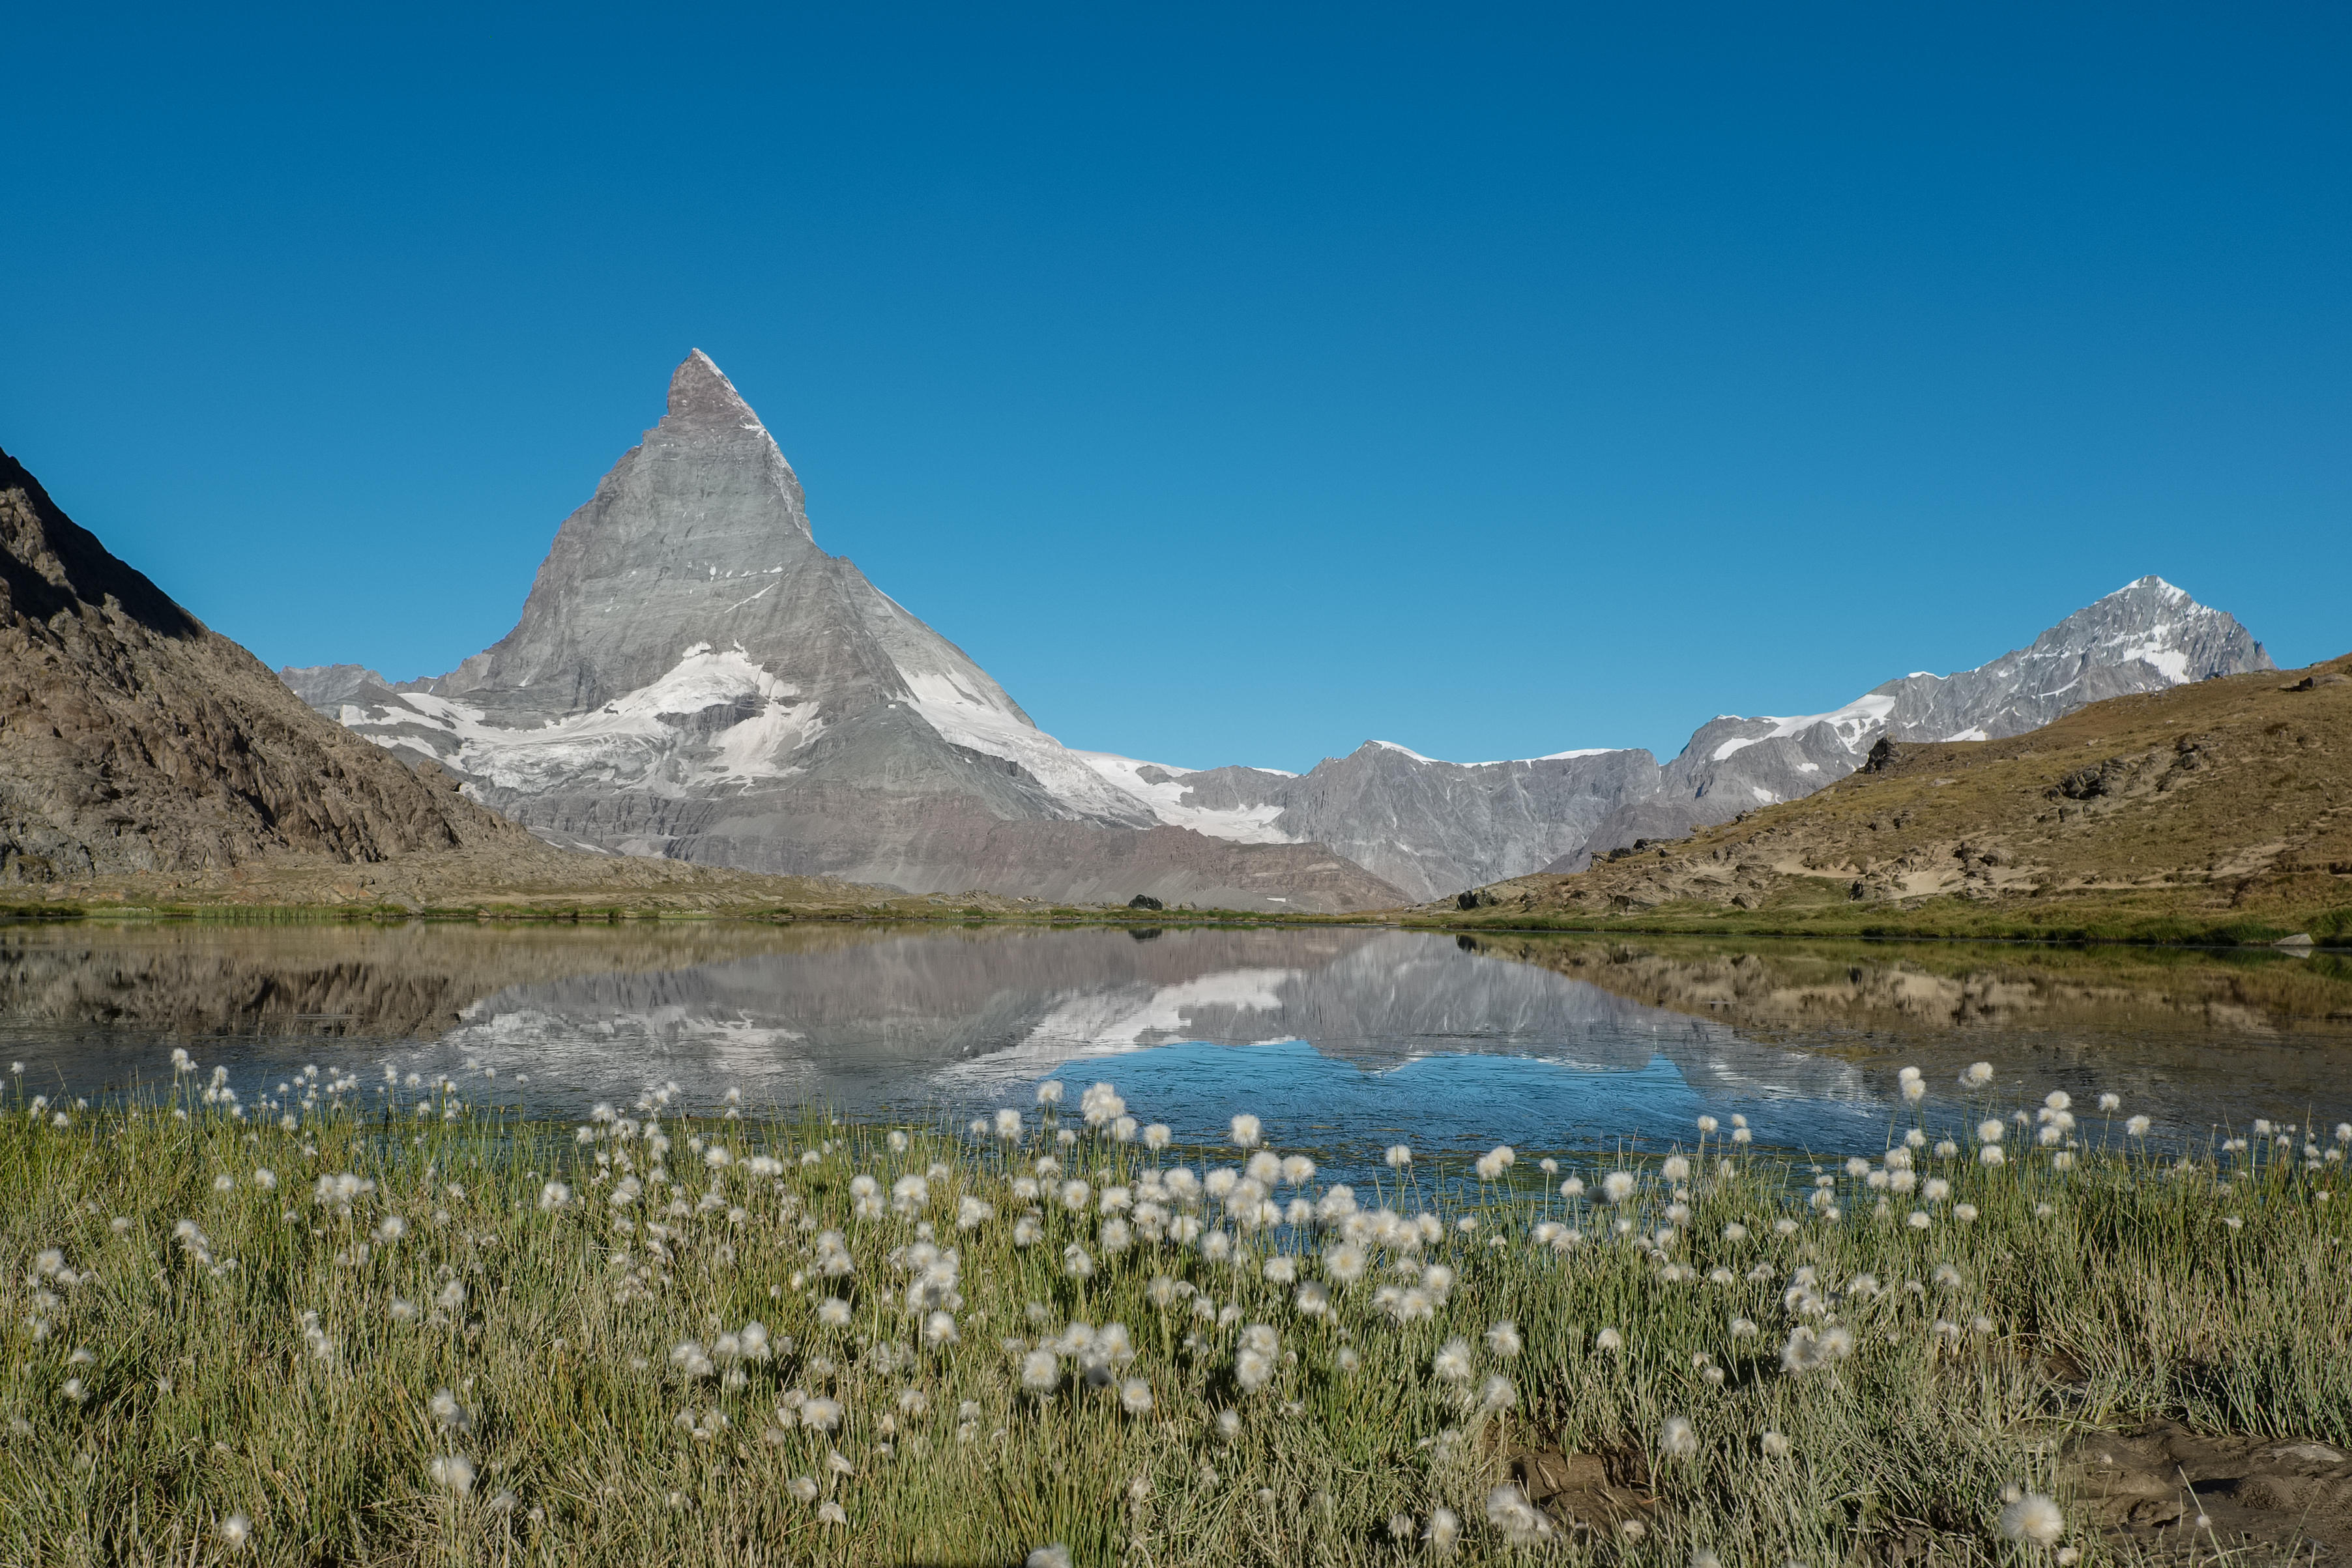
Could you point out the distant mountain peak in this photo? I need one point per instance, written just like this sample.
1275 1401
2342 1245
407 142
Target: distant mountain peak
699 391
2158 584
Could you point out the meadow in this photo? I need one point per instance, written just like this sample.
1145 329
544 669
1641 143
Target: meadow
336 1320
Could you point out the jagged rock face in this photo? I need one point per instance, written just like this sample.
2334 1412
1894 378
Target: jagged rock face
1435 829
693 677
1432 828
2146 636
132 739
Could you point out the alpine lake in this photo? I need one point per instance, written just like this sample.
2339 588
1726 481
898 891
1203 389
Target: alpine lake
1341 1040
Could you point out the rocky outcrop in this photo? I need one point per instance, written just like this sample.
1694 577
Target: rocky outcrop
134 739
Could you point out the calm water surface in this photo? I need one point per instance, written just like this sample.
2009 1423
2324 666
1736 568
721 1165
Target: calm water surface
1340 1040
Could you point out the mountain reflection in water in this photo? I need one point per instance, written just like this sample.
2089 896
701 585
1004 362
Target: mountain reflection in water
1336 1035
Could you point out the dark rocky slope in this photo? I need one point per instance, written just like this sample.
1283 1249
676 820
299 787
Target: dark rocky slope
132 739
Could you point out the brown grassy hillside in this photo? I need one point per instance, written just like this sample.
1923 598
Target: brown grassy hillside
2221 810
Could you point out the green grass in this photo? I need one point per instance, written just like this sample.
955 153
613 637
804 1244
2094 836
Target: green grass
2147 918
2100 1294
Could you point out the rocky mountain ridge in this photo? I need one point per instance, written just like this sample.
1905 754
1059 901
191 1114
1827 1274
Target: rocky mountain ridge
1437 827
2146 636
693 677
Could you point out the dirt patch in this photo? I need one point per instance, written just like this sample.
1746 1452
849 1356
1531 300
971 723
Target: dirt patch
2164 1494
2165 1486
1592 1497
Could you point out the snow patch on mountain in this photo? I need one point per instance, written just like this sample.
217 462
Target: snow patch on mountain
1171 800
638 741
964 718
1864 716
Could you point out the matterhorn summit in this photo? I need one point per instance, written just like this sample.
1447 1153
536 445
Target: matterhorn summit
693 677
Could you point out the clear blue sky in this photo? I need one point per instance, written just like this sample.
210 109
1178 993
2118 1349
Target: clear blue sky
1234 384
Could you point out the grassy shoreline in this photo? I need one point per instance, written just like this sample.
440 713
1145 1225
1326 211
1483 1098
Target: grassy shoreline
276 1358
2331 929
2121 917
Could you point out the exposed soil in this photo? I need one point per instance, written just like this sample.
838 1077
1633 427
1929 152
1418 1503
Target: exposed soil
2162 1494
2168 1488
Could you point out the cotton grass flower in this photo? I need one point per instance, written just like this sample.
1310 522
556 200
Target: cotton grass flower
235 1532
1776 1446
1503 1340
831 1513
1443 1532
1056 1555
1609 1340
1346 1263
446 1413
1617 1186
2033 1519
1247 1130
1398 1156
1521 1522
1677 1439
1453 1361
452 1472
